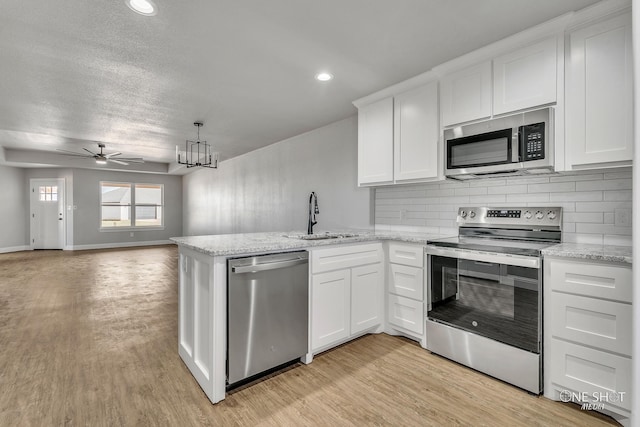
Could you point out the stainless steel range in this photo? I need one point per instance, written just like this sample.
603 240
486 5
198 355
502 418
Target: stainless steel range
484 291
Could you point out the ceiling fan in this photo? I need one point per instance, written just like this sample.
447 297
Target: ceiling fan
102 158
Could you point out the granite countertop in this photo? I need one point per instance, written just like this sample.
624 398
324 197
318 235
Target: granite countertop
607 253
249 243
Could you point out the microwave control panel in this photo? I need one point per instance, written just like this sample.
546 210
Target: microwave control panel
532 142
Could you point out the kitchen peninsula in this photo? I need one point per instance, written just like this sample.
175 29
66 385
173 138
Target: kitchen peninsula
202 309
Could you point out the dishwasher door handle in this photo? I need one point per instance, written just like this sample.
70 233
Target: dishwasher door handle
268 266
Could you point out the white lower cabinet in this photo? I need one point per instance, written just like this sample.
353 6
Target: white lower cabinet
347 300
330 306
405 292
406 314
366 297
588 334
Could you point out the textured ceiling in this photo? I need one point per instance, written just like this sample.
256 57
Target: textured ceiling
78 71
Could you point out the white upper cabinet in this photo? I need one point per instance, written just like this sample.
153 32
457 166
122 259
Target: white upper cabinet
416 134
599 95
525 78
398 138
375 142
465 95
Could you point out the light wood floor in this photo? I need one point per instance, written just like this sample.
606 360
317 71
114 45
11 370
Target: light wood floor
89 338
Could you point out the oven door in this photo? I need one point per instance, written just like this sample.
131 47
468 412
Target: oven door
497 296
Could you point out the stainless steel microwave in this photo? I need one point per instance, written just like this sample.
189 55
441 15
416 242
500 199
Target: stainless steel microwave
519 144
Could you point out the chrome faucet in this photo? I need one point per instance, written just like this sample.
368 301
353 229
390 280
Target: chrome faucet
313 210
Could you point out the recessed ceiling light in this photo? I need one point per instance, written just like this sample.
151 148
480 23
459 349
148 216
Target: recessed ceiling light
324 77
143 7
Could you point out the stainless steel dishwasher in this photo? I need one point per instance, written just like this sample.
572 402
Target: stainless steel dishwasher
268 313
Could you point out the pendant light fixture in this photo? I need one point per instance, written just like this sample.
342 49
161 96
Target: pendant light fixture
197 153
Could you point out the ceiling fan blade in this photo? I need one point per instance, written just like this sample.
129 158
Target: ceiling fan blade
131 159
108 156
73 153
118 162
89 151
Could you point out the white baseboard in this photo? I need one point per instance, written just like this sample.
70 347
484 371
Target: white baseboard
121 245
15 249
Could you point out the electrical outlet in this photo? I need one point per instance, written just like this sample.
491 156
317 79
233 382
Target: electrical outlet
131 234
622 217
403 214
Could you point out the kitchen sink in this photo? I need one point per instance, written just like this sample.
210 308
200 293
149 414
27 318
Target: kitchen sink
323 236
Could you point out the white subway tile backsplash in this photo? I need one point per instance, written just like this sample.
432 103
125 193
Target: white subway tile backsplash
609 217
623 173
602 206
470 191
527 180
589 200
555 187
488 183
593 239
604 184
575 178
487 200
453 184
617 240
526 197
576 196
602 229
507 189
596 217
617 195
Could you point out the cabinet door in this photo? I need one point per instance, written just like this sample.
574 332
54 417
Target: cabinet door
465 95
406 281
366 297
587 370
599 112
330 307
406 313
593 322
416 133
525 78
375 142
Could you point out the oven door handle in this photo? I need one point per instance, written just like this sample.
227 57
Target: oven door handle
496 258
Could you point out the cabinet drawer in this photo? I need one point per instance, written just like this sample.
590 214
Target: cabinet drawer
583 369
406 313
340 257
412 255
596 280
598 323
406 281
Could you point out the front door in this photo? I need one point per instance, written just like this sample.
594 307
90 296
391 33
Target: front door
47 213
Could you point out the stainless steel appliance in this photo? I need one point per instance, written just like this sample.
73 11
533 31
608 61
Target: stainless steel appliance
267 315
484 291
518 144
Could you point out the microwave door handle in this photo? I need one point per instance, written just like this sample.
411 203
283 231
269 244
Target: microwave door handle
516 148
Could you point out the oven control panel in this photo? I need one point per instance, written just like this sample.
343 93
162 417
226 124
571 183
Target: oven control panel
525 216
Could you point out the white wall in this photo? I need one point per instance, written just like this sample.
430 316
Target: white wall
14 210
86 218
596 204
268 189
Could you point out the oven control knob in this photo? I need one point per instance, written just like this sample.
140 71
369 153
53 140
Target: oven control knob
472 214
463 214
539 215
527 215
552 215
